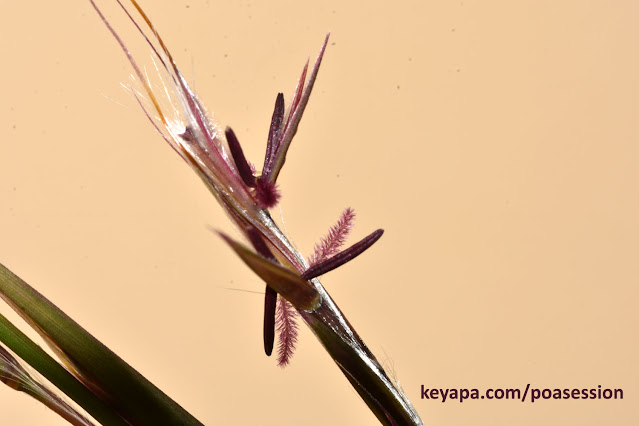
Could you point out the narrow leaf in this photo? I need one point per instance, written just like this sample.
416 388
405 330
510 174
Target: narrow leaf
44 364
125 390
13 374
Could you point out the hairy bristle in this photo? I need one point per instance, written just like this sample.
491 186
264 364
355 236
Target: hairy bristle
266 193
287 329
336 237
341 258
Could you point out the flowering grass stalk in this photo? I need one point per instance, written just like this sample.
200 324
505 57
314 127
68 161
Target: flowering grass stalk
292 286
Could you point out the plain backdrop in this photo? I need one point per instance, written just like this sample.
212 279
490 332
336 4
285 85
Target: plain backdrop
494 141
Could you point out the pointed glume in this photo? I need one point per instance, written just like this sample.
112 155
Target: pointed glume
207 142
192 104
242 165
296 110
295 102
341 258
277 142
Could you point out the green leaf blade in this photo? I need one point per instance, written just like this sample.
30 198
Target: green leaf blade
119 385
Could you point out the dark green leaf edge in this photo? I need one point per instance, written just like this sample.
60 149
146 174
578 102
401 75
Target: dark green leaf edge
119 385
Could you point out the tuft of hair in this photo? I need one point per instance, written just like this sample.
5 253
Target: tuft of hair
287 330
335 238
266 193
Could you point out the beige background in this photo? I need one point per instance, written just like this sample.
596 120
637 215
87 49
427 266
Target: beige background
496 142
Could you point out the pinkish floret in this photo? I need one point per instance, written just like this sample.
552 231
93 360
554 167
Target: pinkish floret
266 194
336 237
287 329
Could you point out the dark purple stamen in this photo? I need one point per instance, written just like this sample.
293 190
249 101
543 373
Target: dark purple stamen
270 303
342 257
240 160
270 295
274 132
